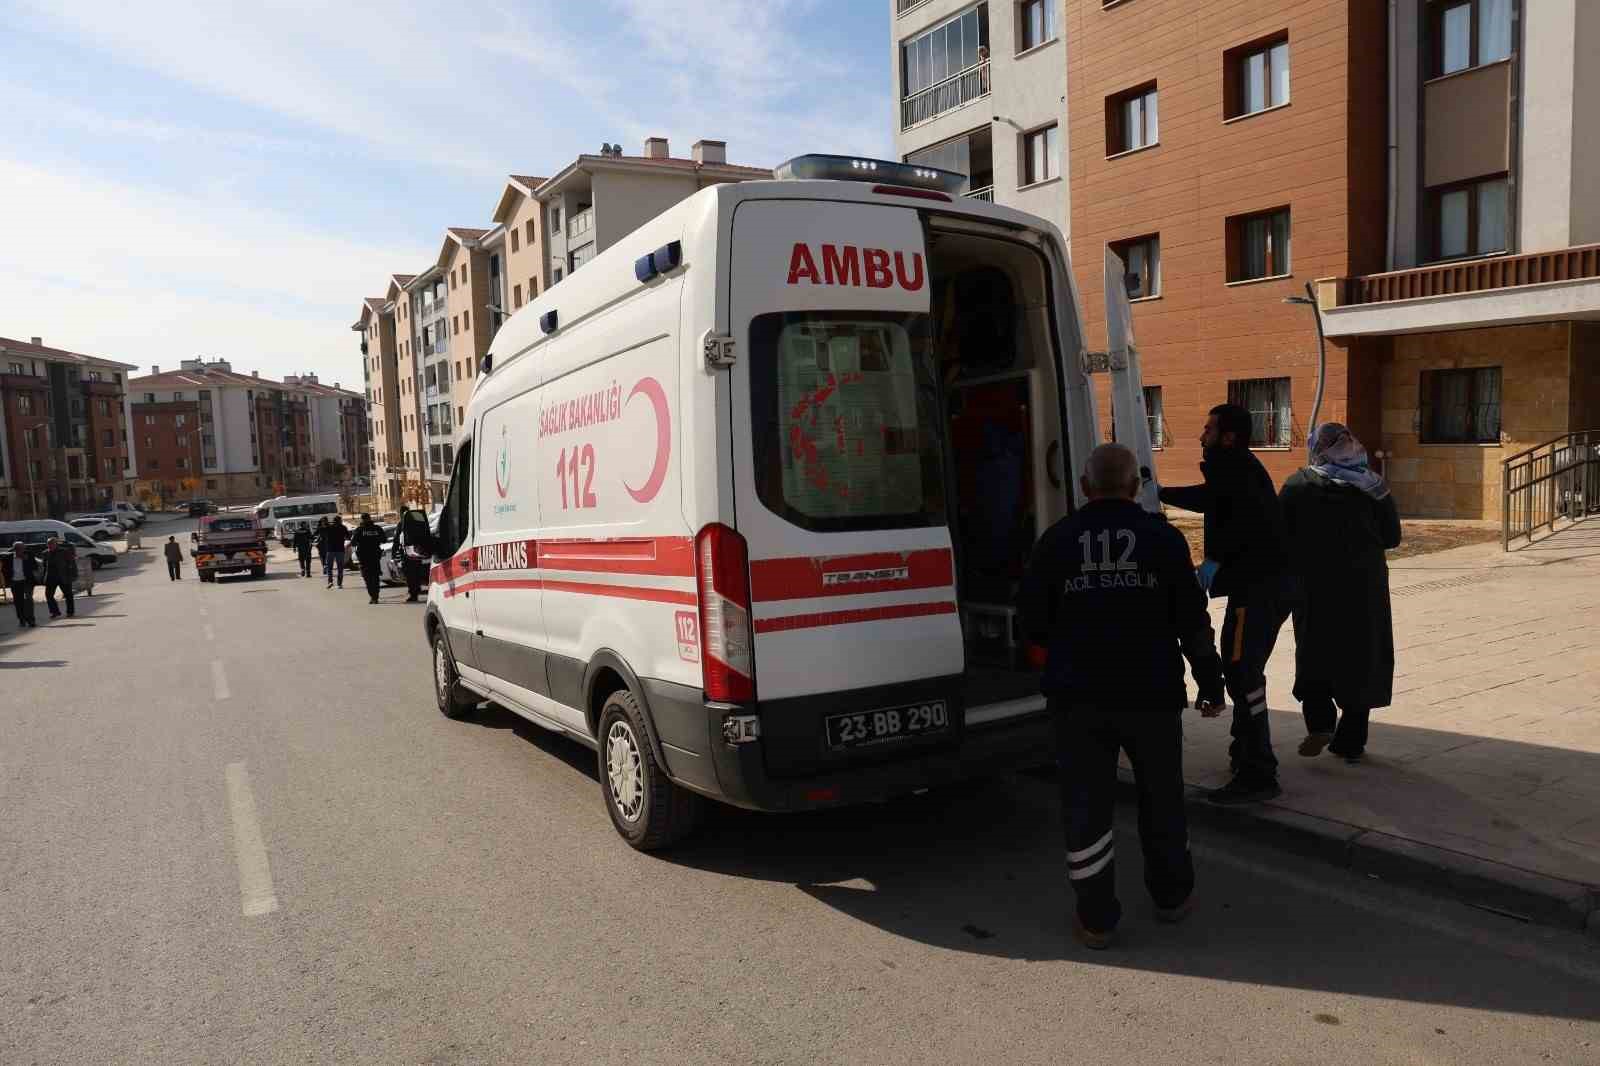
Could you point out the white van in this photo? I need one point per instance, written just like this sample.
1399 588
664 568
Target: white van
36 531
744 503
270 512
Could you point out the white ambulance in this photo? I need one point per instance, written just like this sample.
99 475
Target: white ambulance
744 503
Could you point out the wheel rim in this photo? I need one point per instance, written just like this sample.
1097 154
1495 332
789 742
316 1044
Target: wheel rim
624 772
441 671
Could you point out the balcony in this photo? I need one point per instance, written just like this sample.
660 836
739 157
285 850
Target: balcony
902 6
1559 285
955 91
986 194
580 223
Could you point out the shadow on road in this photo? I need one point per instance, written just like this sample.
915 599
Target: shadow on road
30 664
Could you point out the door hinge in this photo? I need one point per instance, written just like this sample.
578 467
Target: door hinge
718 349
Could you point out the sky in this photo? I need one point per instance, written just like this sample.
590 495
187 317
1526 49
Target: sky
229 179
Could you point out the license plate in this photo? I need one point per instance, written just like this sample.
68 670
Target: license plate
893 723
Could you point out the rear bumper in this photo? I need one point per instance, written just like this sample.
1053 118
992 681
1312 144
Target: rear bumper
690 732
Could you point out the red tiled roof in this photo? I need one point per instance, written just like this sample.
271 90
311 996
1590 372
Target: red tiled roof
528 181
16 347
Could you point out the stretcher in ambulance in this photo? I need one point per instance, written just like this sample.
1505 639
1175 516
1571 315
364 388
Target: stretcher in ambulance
744 503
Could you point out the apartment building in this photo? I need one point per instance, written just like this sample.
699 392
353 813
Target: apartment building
338 424
418 304
596 200
520 215
1483 321
63 430
981 89
1230 153
380 377
204 429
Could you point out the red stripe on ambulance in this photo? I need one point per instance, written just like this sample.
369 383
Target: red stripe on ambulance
804 577
784 623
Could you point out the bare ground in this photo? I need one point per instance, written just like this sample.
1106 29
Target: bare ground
1418 536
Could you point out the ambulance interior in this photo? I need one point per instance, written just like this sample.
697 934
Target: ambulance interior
997 378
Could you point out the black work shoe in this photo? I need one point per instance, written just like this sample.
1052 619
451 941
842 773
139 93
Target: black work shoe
1174 915
1089 938
1242 790
1351 757
1313 744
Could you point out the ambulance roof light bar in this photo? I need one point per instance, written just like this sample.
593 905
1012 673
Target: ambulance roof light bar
859 168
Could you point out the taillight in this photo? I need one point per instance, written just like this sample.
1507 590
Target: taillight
727 662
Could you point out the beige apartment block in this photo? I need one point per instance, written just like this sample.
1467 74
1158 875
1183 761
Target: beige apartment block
520 215
408 365
380 375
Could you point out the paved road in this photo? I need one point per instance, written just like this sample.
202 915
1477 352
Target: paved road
233 828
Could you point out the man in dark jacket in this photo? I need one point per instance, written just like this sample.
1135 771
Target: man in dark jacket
1112 591
302 547
367 539
22 573
413 547
1246 560
60 572
174 557
332 542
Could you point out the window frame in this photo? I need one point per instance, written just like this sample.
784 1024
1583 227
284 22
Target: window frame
1434 202
1429 386
1049 22
1236 72
1027 179
1435 16
1152 241
1238 394
1118 142
1236 246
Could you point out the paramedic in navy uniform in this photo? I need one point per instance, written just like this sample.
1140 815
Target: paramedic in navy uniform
1112 593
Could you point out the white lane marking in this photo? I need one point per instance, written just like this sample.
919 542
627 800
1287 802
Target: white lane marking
255 876
219 680
209 634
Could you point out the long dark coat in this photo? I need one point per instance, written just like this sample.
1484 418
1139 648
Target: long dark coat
1343 631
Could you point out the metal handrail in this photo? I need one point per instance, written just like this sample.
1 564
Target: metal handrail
1548 482
985 193
960 88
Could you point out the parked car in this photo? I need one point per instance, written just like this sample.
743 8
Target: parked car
96 527
35 532
126 512
200 508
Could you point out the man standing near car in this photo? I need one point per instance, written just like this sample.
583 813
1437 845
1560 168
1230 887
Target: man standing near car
413 546
174 556
302 547
1246 560
367 541
60 572
1110 590
22 573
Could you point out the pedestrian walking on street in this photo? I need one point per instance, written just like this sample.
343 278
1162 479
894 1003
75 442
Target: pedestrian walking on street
1245 560
60 572
302 548
332 542
1111 592
1340 519
322 549
174 556
22 573
367 540
413 547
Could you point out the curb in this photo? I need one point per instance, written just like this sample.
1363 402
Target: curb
1478 882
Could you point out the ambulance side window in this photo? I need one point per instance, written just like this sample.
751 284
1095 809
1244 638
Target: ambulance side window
454 521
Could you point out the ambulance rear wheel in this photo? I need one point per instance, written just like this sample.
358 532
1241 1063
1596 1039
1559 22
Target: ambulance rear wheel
454 700
648 810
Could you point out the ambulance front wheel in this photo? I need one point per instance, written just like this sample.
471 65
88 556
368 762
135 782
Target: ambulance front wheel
648 810
454 700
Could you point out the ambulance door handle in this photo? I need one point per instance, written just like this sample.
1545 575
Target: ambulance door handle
1052 463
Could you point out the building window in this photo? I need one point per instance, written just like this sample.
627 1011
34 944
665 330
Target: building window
1259 245
149 397
1257 77
1131 120
1142 257
108 439
1267 400
1469 218
149 420
555 275
527 232
1041 155
466 320
458 370
452 279
24 403
1469 33
105 407
1460 406
1036 23
516 296
516 241
455 324
15 368
945 67
461 414
1152 413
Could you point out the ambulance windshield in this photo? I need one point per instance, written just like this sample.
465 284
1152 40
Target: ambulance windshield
845 420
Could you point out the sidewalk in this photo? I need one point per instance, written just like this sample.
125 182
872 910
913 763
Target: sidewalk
1483 779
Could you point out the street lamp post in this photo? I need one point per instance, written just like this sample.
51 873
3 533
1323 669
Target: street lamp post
1310 300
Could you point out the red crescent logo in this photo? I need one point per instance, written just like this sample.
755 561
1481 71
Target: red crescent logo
658 473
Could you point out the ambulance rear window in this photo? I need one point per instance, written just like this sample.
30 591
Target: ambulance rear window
844 416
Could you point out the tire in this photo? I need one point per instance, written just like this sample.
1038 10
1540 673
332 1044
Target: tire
258 571
208 575
454 701
647 809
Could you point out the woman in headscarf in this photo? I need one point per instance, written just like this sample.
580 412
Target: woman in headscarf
1340 519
